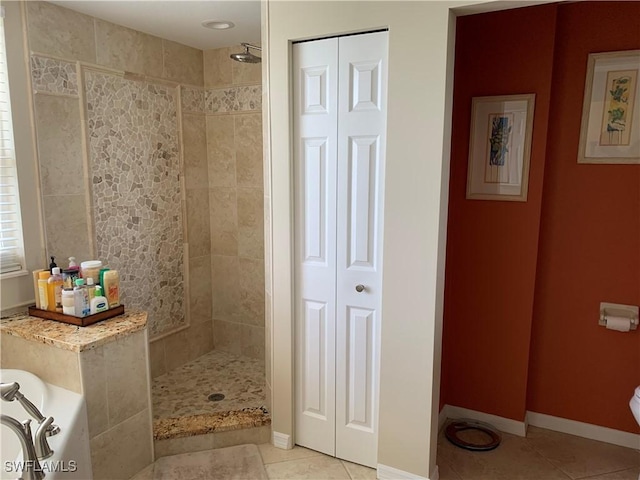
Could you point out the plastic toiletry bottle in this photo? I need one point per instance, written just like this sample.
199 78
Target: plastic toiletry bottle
72 264
111 287
99 303
68 302
36 277
91 288
81 299
43 289
53 264
55 290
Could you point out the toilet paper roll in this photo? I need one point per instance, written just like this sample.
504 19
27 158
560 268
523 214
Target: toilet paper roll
619 324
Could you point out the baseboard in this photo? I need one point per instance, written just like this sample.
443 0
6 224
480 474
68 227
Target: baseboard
281 440
435 475
503 424
586 430
389 473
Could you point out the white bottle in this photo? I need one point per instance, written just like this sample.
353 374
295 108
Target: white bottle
68 302
81 297
99 303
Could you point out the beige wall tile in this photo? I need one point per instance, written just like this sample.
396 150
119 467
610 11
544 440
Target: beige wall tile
194 136
176 349
226 286
250 222
245 73
200 339
198 228
124 450
40 359
217 67
224 221
65 218
176 446
182 63
248 144
94 386
251 282
227 336
127 376
252 342
257 435
156 358
200 289
221 151
59 31
59 138
126 49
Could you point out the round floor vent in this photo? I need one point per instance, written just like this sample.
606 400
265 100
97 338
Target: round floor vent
472 435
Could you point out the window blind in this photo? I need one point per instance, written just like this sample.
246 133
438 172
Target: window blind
11 246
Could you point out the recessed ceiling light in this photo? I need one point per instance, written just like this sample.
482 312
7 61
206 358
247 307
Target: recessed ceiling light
218 24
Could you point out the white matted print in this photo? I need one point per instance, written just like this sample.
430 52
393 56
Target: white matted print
500 147
610 129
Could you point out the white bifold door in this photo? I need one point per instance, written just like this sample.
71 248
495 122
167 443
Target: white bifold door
339 136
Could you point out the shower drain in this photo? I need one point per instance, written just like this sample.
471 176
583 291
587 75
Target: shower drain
216 397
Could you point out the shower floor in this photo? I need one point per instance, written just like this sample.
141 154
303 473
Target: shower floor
181 405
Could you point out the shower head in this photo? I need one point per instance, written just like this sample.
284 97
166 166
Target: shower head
247 56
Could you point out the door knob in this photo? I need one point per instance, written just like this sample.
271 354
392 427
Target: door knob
359 288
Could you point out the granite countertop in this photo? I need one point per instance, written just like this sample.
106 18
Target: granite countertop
72 337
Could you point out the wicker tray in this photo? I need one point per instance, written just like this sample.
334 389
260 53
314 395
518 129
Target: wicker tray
81 322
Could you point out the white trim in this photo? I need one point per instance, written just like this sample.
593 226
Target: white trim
503 424
389 473
586 430
281 440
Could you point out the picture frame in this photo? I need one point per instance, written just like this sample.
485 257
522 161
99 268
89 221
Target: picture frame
610 126
500 147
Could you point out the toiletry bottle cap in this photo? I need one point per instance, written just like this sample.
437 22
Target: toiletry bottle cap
91 264
44 275
79 282
56 270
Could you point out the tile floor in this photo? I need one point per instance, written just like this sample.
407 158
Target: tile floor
185 390
543 455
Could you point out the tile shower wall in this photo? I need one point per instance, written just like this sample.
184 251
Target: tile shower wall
232 103
58 39
137 200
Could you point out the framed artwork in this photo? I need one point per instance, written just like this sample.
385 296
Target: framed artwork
610 129
500 147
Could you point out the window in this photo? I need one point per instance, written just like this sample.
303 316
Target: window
11 244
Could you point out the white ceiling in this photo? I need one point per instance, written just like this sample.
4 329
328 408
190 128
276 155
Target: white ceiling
179 20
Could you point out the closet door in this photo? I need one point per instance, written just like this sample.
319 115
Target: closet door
362 70
339 144
315 163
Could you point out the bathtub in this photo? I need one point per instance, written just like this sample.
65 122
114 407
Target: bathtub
71 457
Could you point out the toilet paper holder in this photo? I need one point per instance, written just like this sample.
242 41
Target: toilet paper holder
619 310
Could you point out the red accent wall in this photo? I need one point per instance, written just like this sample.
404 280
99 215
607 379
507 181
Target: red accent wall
492 246
589 242
524 280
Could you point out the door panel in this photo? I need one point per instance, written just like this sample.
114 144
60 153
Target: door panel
315 136
361 146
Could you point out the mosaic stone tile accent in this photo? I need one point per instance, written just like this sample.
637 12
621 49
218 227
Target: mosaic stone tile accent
135 168
184 391
234 99
192 99
54 76
249 98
